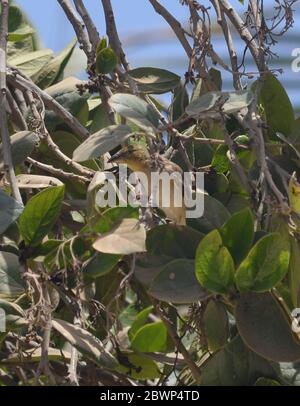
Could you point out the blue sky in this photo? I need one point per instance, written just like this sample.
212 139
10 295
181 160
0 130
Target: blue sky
145 35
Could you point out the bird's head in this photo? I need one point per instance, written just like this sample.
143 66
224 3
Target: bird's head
135 156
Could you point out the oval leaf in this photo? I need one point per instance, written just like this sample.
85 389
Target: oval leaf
10 210
101 142
176 283
22 145
265 327
154 80
99 265
40 214
85 342
10 281
174 241
279 112
214 265
216 326
106 61
266 264
240 223
135 109
151 338
126 238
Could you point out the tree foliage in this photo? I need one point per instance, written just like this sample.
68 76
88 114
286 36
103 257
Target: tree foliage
97 295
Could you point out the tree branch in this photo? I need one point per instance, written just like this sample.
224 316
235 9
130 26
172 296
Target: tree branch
89 24
174 24
20 81
181 348
79 29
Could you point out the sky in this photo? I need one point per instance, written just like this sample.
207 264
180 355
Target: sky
145 35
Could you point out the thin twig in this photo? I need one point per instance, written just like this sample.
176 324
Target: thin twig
17 117
79 28
229 41
58 172
181 348
243 31
89 24
174 24
112 33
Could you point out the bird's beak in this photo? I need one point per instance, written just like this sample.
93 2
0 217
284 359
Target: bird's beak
116 157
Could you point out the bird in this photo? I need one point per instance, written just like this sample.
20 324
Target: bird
138 159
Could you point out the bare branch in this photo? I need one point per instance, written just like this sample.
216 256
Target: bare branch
58 172
243 31
230 45
79 28
112 33
181 348
174 24
89 24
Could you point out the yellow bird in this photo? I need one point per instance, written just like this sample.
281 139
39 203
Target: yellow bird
138 159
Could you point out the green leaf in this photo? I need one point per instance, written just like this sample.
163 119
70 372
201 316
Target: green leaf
101 142
10 210
136 110
266 328
176 283
106 61
52 71
102 45
174 241
266 264
21 38
216 325
214 265
141 368
21 33
99 119
85 342
179 102
240 224
154 80
220 161
148 267
40 214
209 103
11 285
31 62
99 265
235 365
125 238
110 218
22 145
66 93
139 321
278 109
150 338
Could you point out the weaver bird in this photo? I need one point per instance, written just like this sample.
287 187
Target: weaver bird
138 159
